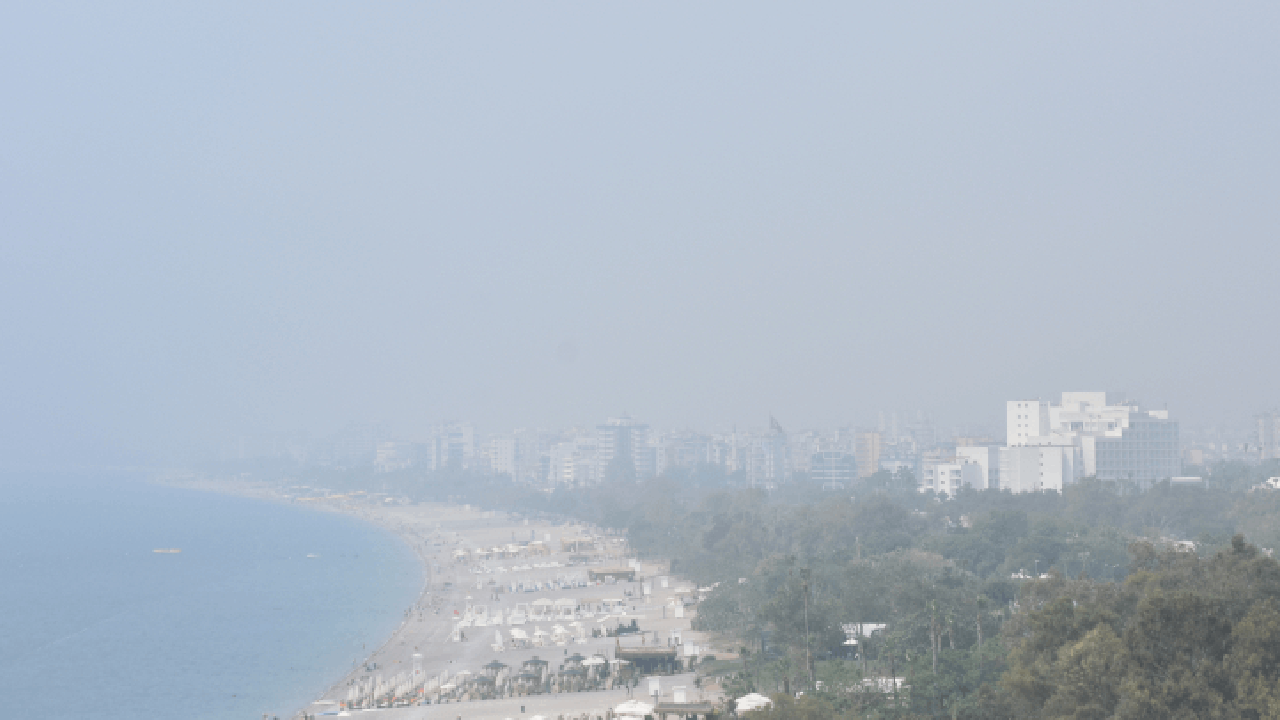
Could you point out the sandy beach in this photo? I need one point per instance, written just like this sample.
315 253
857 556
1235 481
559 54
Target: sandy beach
489 577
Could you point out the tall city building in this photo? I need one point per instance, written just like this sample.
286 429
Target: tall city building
574 462
451 445
766 459
831 466
1098 434
504 455
1268 432
1144 448
1025 419
623 451
867 445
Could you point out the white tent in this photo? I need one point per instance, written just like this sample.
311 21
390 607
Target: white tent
632 710
566 608
519 638
753 701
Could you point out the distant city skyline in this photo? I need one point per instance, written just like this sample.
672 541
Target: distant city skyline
1044 445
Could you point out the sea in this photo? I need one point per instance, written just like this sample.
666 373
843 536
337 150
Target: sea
266 605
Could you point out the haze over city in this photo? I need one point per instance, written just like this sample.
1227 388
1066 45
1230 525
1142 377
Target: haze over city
230 220
728 360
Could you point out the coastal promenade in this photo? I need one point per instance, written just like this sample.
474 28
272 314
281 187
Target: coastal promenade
492 577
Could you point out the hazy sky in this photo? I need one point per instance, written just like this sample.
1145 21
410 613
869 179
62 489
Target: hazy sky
220 219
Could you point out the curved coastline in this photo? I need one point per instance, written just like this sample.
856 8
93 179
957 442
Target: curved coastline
267 493
455 582
425 567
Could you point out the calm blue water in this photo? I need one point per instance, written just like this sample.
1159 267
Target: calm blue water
93 624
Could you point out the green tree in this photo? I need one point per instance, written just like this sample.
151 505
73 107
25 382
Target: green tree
1254 661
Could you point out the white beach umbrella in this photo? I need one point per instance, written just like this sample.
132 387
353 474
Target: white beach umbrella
752 701
634 707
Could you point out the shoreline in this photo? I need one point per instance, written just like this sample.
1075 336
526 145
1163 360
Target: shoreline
266 493
428 637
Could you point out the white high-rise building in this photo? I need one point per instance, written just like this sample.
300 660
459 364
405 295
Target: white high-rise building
1025 419
504 455
1268 435
767 459
574 461
1097 434
623 450
451 445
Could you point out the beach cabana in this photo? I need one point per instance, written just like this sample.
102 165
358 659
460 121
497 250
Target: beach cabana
596 666
519 638
632 710
543 608
566 608
520 615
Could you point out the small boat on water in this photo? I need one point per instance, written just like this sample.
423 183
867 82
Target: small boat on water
167 550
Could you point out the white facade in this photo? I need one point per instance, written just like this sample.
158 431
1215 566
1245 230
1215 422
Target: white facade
951 477
1101 435
1144 447
1025 419
623 447
831 466
573 462
987 458
451 444
393 456
767 459
504 455
1036 468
